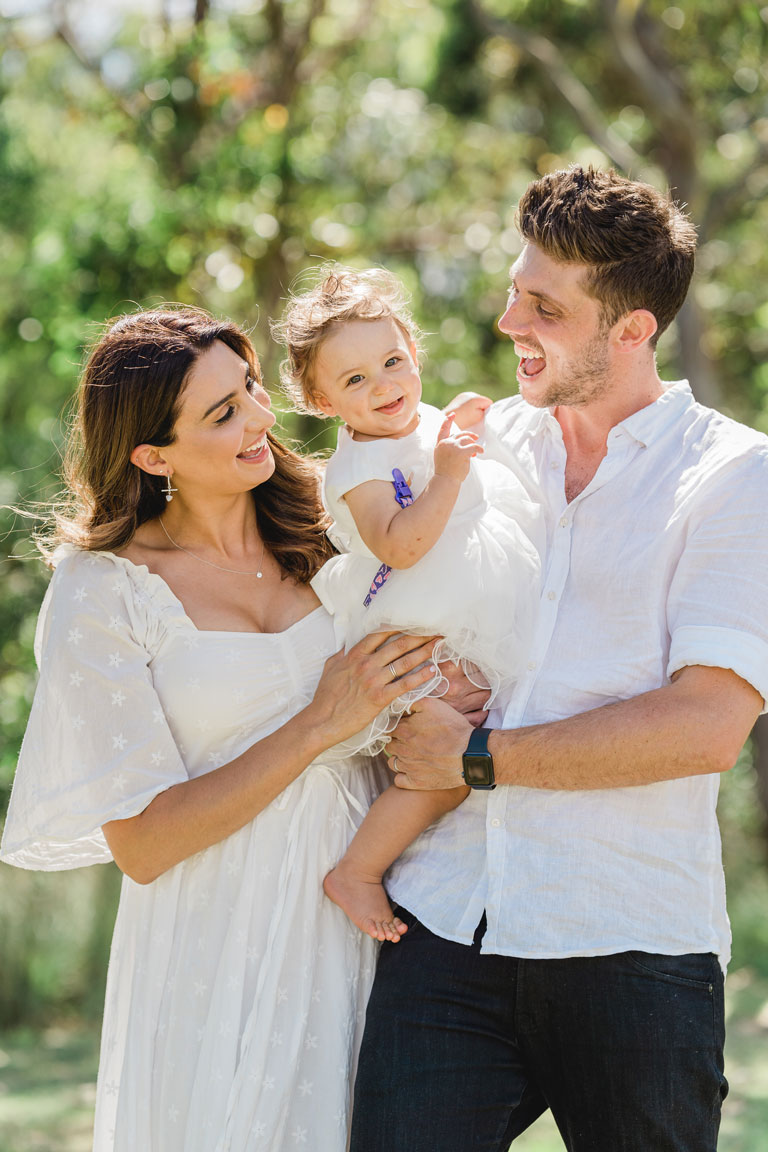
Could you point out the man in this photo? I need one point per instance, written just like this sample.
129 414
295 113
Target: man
567 930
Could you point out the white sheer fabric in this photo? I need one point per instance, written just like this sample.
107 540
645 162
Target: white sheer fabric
478 586
236 990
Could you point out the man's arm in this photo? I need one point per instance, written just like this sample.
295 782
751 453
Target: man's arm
693 726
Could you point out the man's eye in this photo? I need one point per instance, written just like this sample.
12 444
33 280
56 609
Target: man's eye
546 313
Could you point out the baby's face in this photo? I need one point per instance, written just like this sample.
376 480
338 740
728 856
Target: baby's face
365 372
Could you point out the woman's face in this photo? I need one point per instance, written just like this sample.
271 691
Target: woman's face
220 445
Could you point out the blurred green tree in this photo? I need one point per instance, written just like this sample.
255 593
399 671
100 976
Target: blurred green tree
214 157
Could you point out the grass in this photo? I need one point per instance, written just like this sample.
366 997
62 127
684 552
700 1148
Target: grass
47 1082
47 1089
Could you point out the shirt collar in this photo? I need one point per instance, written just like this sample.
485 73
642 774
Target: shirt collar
643 426
650 422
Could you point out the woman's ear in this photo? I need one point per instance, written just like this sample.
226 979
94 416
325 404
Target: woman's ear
148 459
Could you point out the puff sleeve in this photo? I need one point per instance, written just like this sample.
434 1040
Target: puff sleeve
97 745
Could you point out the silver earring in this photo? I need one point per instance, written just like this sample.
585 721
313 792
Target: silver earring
168 490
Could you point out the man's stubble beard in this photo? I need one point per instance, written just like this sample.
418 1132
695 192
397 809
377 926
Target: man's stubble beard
582 384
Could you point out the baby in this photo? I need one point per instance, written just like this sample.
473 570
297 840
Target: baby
431 538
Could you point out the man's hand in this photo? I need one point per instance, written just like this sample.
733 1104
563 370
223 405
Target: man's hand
426 747
463 695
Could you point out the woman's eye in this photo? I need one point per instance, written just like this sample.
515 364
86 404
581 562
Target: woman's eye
252 384
227 415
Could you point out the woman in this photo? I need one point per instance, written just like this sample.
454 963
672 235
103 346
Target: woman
185 708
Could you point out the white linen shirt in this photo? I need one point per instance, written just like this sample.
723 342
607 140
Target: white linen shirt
661 562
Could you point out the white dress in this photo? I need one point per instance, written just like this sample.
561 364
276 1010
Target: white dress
478 586
236 990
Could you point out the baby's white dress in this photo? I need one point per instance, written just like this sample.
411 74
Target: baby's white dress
236 990
478 586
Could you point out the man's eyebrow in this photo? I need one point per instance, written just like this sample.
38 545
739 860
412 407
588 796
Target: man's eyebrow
548 299
539 295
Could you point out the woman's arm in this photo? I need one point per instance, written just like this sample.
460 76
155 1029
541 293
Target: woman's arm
191 816
401 536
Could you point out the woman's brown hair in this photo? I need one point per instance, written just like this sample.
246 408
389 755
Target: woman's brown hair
129 394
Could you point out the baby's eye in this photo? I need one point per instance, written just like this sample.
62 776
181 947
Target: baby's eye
355 379
392 360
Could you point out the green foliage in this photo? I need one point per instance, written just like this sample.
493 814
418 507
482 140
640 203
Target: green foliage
214 164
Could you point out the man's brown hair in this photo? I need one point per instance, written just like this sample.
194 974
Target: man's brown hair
637 243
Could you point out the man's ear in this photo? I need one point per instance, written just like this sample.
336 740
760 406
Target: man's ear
635 329
324 404
147 458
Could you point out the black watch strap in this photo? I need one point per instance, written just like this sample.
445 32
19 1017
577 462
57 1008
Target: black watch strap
477 761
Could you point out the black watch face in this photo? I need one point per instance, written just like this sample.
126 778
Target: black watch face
477 770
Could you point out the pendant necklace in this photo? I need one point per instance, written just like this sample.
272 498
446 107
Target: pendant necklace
233 571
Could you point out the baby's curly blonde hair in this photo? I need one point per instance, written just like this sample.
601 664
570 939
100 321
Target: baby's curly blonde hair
340 295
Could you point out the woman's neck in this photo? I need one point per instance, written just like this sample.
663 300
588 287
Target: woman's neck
227 525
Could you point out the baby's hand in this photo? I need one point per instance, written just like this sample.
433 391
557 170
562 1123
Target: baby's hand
454 451
468 409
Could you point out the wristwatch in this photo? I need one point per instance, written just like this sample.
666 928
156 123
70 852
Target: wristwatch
477 762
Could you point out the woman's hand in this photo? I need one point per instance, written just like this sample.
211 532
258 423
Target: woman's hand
355 686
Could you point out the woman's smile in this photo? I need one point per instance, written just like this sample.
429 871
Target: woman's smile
255 453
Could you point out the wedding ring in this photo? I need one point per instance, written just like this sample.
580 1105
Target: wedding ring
393 765
393 670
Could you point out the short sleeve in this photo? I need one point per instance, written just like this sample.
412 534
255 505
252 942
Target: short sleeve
97 746
356 463
718 602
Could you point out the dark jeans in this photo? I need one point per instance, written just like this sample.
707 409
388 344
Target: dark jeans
462 1052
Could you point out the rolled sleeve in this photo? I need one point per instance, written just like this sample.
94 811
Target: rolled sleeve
742 653
718 601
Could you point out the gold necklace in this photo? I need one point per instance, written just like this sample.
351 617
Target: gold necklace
233 571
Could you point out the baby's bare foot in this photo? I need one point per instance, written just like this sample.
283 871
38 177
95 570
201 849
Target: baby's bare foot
365 902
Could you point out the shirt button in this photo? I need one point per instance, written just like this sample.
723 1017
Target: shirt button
531 665
495 823
551 595
553 467
564 522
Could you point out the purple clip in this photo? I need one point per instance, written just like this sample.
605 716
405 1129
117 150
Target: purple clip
403 494
404 497
378 582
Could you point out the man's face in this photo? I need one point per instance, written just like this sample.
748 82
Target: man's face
558 332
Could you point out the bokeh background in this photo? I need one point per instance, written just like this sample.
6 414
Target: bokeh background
211 151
